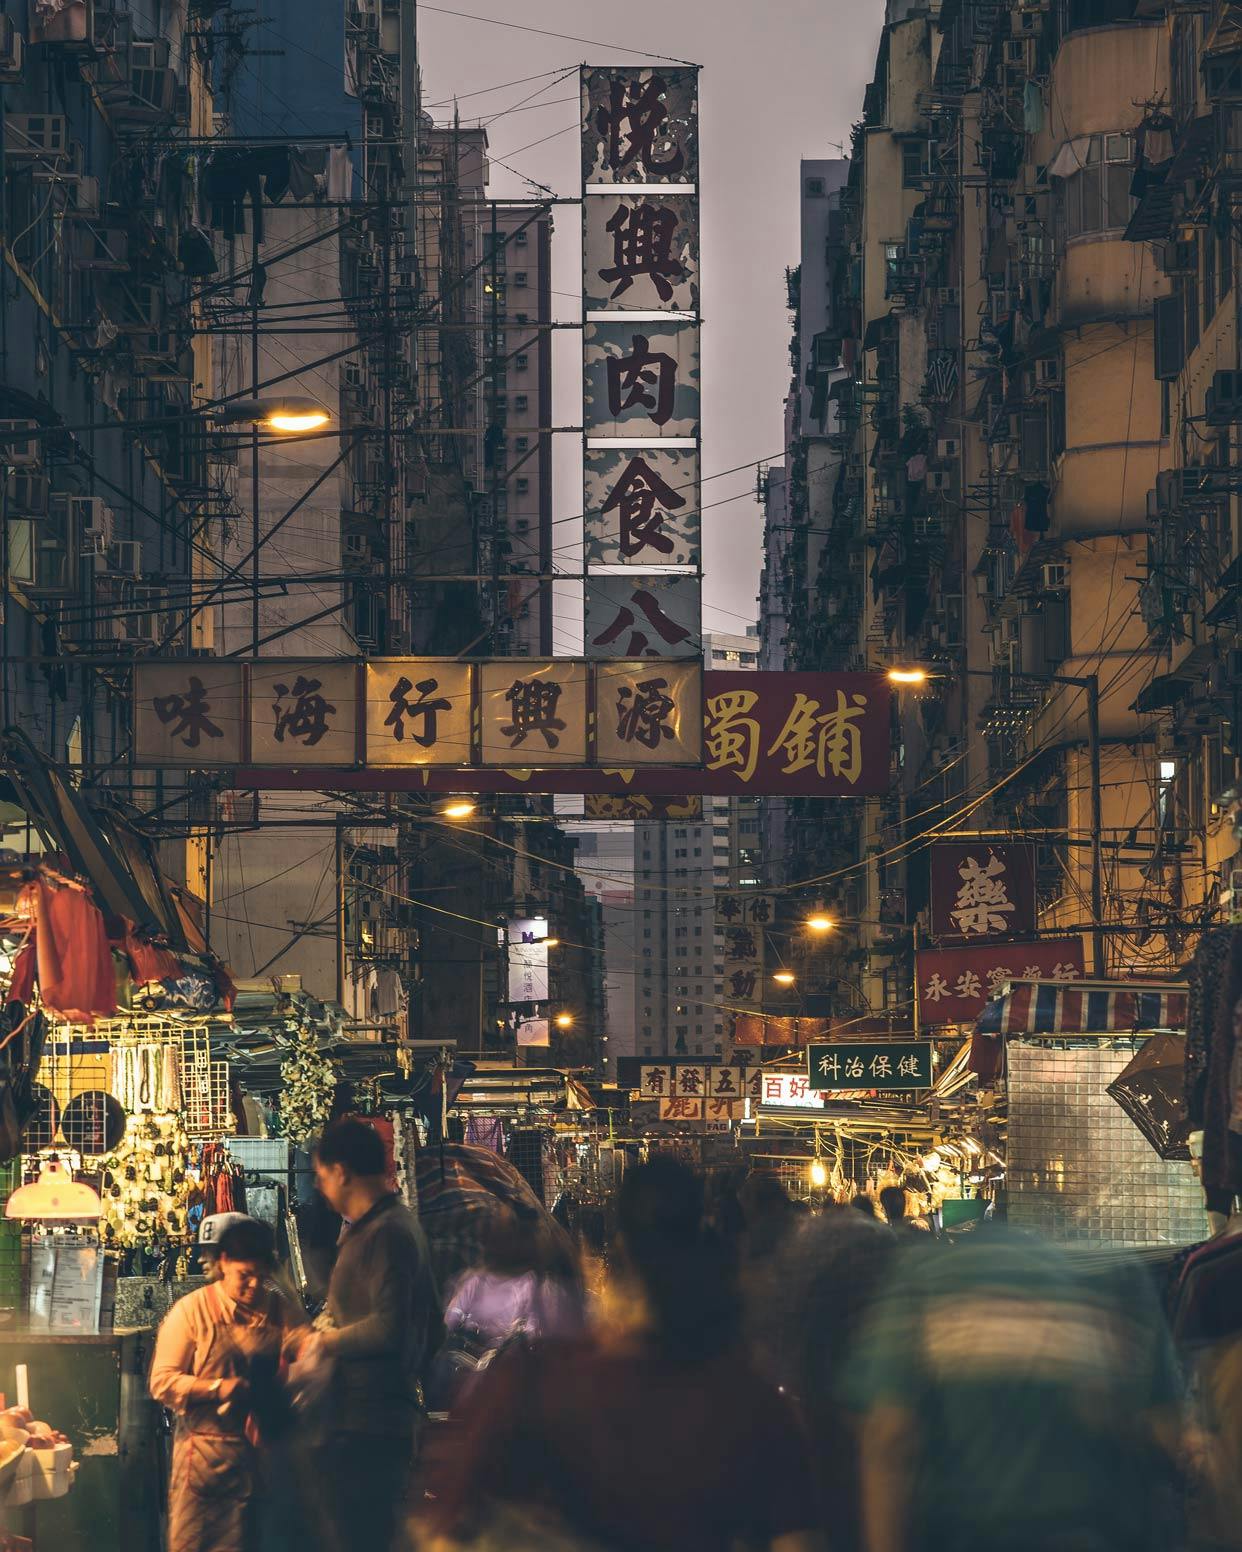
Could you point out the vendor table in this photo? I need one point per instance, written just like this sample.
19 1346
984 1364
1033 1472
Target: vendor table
94 1389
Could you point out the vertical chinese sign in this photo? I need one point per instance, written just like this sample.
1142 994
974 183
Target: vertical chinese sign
641 371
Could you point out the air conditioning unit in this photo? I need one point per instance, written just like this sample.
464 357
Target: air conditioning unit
12 48
1053 574
91 516
125 557
27 493
947 449
151 86
355 549
16 450
36 137
99 247
84 198
1222 402
940 480
157 355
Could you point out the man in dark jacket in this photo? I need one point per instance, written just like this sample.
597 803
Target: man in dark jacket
386 1323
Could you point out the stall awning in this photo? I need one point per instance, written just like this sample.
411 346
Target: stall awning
1084 1008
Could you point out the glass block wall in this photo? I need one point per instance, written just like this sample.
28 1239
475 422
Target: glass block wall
1079 1169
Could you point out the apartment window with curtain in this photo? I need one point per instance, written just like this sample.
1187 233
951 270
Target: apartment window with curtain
1096 198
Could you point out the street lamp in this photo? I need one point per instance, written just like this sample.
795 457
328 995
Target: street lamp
820 923
459 808
550 942
1090 684
819 1174
784 977
289 416
564 1020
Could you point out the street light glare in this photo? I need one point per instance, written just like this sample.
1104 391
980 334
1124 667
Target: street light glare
459 809
907 676
819 1174
551 943
564 1020
784 977
308 420
820 923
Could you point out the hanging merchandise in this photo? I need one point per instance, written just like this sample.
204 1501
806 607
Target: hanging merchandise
145 1076
146 1185
308 1084
73 960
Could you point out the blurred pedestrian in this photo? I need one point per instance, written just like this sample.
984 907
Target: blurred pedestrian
768 1214
216 1366
662 1437
385 1323
1010 1403
896 1203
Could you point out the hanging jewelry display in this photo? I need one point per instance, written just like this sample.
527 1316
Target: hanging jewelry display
146 1184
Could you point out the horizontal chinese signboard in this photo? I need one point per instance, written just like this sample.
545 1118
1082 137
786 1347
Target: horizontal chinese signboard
599 805
697 1080
789 1091
702 1109
873 1064
955 983
413 714
763 734
981 890
751 1029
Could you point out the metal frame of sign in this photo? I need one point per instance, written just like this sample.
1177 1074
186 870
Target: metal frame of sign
639 130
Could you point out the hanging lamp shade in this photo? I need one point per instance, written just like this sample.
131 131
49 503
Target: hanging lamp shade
56 1197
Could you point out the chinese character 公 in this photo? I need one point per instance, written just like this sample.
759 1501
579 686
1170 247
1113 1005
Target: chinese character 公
643 500
631 377
639 644
732 734
421 710
983 900
533 705
643 711
828 741
634 123
189 712
307 718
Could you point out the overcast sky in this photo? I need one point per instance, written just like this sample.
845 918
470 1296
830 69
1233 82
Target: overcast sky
781 80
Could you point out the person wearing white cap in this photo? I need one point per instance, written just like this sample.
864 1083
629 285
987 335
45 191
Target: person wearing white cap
209 1232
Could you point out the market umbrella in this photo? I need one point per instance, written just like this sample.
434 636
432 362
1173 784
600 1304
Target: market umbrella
1151 1092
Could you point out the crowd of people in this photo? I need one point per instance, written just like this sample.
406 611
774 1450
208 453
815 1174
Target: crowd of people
750 1374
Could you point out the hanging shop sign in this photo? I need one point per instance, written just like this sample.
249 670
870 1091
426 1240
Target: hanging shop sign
600 805
635 616
683 1109
649 728
698 1080
981 890
640 252
742 918
641 507
789 1091
954 984
410 714
527 941
640 126
854 1065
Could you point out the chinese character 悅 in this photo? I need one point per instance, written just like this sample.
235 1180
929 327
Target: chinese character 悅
830 1066
634 124
643 711
639 642
189 712
642 244
425 710
983 901
642 500
828 741
533 704
732 733
645 379
306 718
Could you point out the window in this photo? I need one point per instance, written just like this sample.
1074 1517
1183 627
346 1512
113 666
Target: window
913 163
521 401
1164 788
519 277
521 485
521 444
1096 198
815 188
521 360
520 238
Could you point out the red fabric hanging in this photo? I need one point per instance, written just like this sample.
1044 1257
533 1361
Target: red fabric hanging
21 987
148 961
76 979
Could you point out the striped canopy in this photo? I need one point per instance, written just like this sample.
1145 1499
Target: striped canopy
1071 1008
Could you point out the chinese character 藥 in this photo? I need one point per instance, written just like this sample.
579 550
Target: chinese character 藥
983 901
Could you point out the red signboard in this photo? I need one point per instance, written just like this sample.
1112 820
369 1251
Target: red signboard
981 889
764 734
769 1029
955 983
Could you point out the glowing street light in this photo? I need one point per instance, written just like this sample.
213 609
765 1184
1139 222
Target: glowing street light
289 416
459 808
819 1174
564 1020
820 923
907 676
784 977
550 942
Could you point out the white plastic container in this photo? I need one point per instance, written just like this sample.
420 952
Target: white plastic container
51 1470
22 1491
